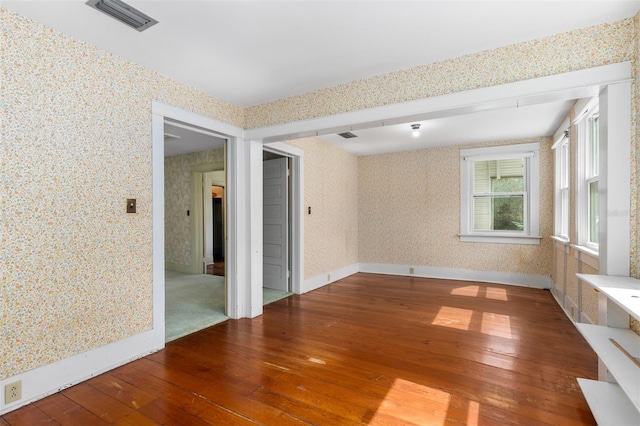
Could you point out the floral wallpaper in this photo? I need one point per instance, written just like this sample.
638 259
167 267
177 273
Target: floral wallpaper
331 191
579 49
75 143
409 213
177 200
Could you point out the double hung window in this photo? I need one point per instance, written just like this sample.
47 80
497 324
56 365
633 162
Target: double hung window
500 194
588 175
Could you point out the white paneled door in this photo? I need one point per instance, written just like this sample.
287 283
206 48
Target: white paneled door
275 224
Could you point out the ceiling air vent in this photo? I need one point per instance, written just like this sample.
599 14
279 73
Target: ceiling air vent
123 13
348 135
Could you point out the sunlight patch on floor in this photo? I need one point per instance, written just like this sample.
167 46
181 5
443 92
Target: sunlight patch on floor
496 325
473 413
494 293
469 290
497 293
413 403
488 323
453 318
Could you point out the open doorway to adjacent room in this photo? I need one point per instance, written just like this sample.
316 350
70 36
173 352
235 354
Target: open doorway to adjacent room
194 189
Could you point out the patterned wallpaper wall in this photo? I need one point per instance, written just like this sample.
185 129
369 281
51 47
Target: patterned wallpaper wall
75 269
409 214
579 49
177 200
331 189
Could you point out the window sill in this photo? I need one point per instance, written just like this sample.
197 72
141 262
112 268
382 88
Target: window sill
561 240
587 255
502 239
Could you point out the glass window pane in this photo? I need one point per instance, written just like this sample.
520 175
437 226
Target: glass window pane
564 212
593 212
498 213
498 176
564 165
595 146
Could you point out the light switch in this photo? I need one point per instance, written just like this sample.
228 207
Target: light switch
131 205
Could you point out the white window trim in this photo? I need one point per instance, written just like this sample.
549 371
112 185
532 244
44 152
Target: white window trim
562 166
531 234
586 109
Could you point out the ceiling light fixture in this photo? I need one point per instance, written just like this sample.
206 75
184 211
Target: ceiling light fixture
416 130
124 13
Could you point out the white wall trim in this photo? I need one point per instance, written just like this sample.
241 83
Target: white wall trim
571 308
512 278
51 378
321 280
161 111
256 226
615 180
586 255
565 86
193 118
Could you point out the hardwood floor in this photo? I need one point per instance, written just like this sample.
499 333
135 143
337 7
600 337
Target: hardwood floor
370 349
217 268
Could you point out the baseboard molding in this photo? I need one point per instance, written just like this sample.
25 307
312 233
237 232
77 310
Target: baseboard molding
321 280
523 280
570 309
177 267
43 381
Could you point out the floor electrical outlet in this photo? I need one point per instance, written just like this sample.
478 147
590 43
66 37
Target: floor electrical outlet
12 392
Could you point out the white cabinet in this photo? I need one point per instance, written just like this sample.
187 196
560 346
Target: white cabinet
615 398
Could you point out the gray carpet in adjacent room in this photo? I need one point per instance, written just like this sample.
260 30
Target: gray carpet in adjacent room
192 302
196 301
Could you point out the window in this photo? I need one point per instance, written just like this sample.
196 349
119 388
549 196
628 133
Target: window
561 147
592 178
499 194
588 175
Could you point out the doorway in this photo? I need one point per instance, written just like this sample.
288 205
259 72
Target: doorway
194 162
276 214
215 233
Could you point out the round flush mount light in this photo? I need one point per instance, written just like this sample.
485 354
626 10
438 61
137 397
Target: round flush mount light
416 130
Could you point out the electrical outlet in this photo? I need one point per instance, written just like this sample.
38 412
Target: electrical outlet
411 271
12 392
328 277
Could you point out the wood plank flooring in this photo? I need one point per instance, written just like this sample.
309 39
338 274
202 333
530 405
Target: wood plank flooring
217 268
370 349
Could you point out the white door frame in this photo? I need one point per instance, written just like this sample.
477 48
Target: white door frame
197 213
296 220
233 134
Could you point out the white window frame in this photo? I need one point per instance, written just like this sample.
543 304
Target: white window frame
530 152
587 110
562 182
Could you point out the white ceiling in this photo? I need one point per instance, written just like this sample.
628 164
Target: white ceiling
180 139
484 126
251 52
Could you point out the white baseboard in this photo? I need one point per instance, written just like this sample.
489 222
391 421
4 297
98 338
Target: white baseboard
321 280
52 378
571 310
177 267
525 280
